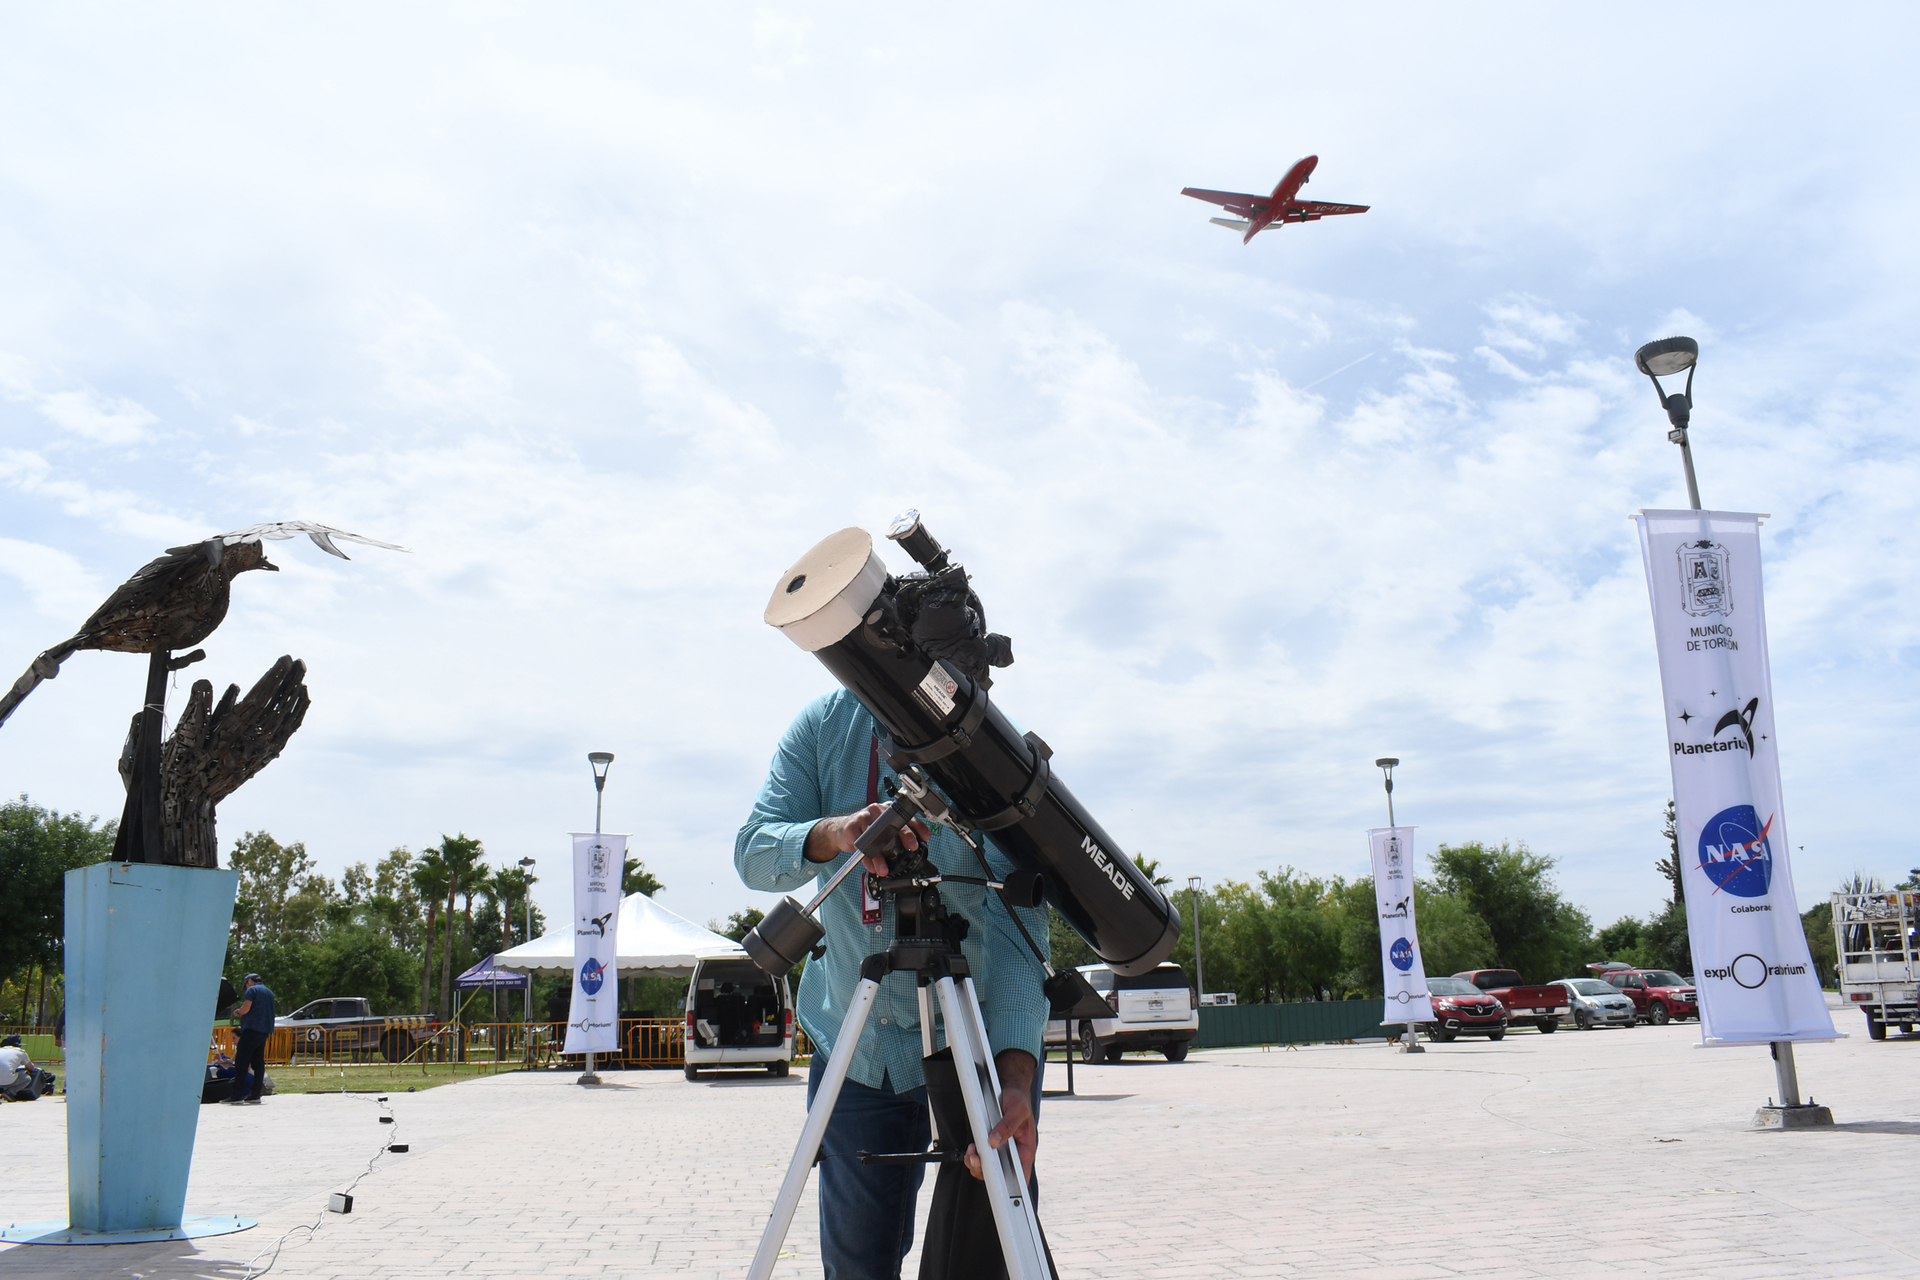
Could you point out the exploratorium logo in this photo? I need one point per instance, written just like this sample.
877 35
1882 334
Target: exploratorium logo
1751 971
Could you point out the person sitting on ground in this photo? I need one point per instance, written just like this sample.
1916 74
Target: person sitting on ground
16 1068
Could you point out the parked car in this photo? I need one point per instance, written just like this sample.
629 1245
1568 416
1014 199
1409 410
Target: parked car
1595 1003
1541 1006
1151 1011
737 1016
1657 994
1460 1006
348 1025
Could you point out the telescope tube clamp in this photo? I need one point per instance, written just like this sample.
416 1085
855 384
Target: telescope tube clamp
1027 803
958 738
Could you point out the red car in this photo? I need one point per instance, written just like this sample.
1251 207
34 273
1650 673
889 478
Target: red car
1460 1006
1658 995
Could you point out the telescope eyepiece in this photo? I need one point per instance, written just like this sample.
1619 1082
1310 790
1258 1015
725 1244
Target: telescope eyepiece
917 542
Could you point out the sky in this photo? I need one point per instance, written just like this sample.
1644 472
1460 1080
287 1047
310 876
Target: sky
606 314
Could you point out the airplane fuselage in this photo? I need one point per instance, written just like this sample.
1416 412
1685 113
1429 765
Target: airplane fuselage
1283 195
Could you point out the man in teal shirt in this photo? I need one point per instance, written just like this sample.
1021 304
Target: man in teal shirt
827 785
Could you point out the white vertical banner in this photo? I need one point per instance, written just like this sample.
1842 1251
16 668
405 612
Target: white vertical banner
593 1018
1751 966
1403 975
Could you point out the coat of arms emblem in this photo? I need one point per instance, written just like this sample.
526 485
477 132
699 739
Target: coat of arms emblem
1703 579
1393 852
597 862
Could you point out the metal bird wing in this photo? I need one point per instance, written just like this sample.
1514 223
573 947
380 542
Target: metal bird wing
322 536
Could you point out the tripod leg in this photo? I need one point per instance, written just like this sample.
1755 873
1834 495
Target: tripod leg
814 1131
1013 1214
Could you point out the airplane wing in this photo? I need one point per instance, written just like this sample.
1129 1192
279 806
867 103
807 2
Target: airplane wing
1235 201
1320 208
1231 224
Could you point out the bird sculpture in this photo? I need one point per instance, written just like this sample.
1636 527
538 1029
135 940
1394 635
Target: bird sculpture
176 601
172 602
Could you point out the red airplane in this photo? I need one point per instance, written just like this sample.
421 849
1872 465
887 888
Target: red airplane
1257 213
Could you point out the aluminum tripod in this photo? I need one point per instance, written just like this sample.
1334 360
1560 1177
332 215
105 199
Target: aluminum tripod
940 966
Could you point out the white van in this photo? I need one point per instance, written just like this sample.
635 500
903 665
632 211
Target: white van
737 1016
1152 1011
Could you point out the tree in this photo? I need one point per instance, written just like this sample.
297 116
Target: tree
430 878
1664 942
1534 929
1453 937
1669 866
280 896
1150 868
1817 923
460 855
37 849
1621 941
742 923
635 878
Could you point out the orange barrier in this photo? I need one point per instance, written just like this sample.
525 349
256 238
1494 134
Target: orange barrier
644 1042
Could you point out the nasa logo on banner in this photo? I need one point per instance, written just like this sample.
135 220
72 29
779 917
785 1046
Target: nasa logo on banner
1754 973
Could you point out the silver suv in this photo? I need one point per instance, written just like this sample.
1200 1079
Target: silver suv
1152 1011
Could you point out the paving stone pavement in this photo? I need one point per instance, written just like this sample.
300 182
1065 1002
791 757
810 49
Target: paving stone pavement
1616 1153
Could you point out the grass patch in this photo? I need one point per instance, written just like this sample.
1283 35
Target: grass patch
378 1078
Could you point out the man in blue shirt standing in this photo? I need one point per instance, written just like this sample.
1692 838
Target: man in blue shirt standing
250 1051
823 789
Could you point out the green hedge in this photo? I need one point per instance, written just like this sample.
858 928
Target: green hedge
1308 1022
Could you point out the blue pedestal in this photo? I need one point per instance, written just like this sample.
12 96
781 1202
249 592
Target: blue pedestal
144 948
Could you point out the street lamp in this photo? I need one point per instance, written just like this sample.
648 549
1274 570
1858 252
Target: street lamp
1199 974
599 760
1409 1043
526 894
1668 358
1387 764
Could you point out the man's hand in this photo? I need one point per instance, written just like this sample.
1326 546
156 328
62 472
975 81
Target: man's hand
1016 1069
831 837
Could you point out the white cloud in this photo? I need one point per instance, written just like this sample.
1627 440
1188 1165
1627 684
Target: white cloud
59 585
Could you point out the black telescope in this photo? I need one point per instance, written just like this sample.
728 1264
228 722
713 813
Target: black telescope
914 650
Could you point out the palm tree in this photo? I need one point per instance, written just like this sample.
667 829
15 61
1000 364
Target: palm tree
460 854
507 888
430 878
635 878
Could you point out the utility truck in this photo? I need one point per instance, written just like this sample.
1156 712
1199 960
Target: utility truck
1877 936
348 1026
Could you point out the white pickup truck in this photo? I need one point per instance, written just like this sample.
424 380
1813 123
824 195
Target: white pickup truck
1153 1011
1878 937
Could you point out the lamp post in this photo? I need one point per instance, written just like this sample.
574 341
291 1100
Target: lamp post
1409 1043
1199 974
600 760
1669 357
526 894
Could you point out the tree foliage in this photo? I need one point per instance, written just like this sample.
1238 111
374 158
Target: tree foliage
37 848
1534 929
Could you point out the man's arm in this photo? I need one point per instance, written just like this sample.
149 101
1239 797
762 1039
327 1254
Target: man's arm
244 1007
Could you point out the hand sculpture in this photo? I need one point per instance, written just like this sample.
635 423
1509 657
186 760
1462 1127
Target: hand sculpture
212 751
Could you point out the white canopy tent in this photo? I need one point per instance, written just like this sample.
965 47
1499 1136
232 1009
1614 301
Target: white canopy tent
654 943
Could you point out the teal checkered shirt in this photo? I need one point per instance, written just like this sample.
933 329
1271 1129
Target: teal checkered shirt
823 768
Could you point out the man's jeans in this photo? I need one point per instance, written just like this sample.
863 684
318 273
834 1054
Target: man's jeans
867 1211
249 1056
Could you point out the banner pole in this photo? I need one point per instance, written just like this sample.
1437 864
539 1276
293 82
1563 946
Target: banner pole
1409 1042
1665 358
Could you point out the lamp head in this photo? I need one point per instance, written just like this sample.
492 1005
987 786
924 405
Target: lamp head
526 862
1665 358
599 760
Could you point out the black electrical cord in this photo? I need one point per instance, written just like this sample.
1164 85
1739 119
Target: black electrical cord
314 1226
